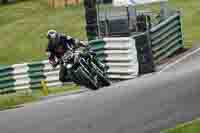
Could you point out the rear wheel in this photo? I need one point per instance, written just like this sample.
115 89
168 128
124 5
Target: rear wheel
76 78
62 74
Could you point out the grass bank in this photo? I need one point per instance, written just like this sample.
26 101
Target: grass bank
191 127
23 26
190 18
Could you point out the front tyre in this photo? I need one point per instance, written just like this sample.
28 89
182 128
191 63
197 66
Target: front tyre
90 82
103 79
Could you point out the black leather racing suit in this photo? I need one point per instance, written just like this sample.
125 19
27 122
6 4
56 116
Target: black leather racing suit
58 48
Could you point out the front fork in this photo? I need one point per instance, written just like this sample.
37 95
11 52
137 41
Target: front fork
98 64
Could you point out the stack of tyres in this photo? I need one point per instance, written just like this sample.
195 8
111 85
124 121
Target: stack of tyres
141 23
145 56
91 15
91 19
92 31
102 28
89 3
107 1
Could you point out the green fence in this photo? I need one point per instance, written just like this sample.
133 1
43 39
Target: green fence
166 38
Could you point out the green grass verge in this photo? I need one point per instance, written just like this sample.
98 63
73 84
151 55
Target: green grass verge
191 127
190 18
23 26
9 101
12 100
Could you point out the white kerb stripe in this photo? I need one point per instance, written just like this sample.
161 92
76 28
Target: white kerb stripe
18 77
48 67
128 71
114 45
19 65
22 87
116 39
125 51
52 78
22 82
54 84
21 69
51 73
121 64
119 58
45 62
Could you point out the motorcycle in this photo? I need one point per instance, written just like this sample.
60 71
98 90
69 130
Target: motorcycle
98 72
84 70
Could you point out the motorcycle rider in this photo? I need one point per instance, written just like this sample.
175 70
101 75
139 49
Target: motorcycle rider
58 44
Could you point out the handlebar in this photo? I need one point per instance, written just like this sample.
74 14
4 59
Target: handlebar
74 52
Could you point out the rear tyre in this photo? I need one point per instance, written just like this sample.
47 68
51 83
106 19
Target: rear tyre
62 74
76 78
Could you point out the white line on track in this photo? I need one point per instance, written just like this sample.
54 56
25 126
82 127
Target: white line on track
179 60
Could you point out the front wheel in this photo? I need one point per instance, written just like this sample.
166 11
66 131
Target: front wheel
103 79
90 83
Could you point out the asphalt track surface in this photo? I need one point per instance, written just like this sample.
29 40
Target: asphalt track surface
147 104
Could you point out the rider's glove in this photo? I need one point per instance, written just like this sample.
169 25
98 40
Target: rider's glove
53 64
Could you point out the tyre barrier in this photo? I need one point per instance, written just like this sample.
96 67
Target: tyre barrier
119 55
28 76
